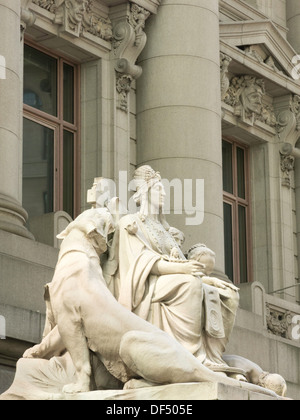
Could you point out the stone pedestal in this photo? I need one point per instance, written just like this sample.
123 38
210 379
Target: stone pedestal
12 216
178 392
179 110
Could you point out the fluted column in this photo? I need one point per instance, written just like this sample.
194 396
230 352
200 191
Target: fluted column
12 215
179 109
293 23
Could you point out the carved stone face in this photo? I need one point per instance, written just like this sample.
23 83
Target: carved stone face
252 99
77 9
157 195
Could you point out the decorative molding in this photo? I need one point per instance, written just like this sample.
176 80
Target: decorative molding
124 82
288 130
27 19
137 19
279 321
295 108
288 155
49 5
225 61
150 5
288 120
77 17
253 36
129 39
256 52
287 164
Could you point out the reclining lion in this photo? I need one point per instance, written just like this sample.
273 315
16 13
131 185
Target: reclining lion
83 315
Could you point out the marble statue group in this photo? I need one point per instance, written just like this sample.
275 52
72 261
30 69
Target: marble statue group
127 308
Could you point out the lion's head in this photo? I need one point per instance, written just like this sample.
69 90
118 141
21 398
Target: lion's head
96 224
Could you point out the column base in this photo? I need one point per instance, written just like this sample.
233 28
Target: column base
13 218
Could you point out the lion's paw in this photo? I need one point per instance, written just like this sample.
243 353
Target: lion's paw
75 388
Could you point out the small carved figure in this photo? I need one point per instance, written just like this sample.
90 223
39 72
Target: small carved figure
257 376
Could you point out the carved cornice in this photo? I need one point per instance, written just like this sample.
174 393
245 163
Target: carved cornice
76 17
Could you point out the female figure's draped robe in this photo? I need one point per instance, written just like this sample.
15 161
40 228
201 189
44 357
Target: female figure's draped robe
199 316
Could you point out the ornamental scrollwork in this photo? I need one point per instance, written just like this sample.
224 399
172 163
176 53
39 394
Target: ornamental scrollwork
77 17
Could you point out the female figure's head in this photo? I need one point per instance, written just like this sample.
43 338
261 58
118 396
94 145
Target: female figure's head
150 192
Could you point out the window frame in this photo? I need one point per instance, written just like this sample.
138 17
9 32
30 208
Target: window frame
235 201
59 125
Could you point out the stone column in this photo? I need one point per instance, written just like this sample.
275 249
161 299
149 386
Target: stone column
12 216
293 23
297 191
179 109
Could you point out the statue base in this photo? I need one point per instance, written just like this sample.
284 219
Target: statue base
177 392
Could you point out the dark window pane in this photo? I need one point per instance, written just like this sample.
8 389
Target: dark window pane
40 80
227 167
38 168
68 93
243 245
241 172
228 235
68 174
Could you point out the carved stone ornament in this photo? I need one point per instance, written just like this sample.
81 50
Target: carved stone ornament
129 39
137 20
287 163
256 52
225 60
27 19
46 4
246 94
295 108
77 17
288 120
278 321
123 88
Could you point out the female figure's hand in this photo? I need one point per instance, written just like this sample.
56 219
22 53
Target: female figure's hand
164 268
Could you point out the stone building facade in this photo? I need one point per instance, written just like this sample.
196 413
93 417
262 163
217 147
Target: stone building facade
200 90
